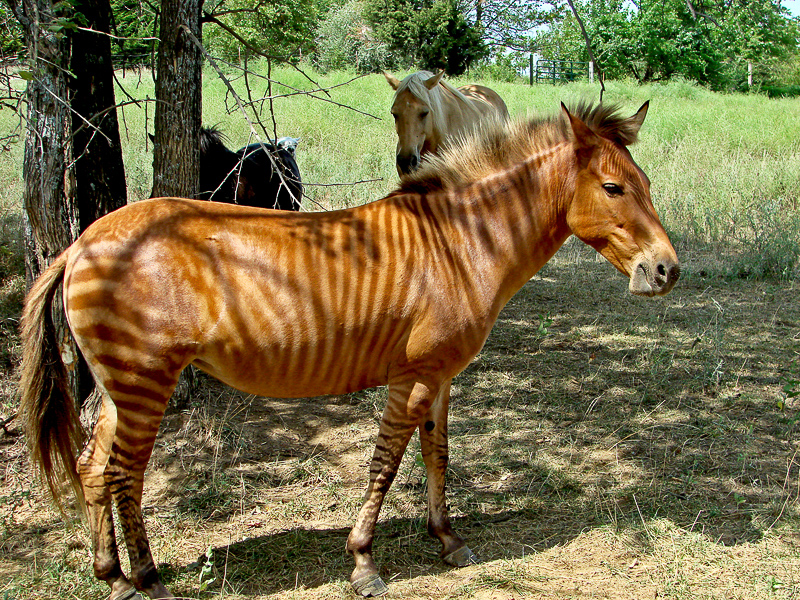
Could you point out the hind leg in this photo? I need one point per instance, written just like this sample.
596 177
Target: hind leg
91 466
137 426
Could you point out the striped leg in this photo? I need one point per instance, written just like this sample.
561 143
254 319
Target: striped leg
137 426
91 466
433 439
406 406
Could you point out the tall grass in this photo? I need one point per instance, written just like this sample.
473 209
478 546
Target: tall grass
725 169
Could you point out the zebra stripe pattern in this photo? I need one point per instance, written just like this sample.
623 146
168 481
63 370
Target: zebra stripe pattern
402 291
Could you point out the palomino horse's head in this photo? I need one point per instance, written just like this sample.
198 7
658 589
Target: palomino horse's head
415 109
612 210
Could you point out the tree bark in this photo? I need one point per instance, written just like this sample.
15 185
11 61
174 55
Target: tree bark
72 167
176 153
99 170
51 222
176 146
50 214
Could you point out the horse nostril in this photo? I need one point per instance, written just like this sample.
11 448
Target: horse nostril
667 275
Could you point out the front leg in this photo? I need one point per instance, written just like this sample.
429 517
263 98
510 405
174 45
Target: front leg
404 410
433 439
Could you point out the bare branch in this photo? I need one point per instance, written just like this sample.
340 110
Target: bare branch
589 48
299 92
117 37
343 184
76 113
208 18
696 14
243 109
241 105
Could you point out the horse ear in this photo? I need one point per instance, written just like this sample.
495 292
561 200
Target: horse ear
584 138
393 81
634 123
432 82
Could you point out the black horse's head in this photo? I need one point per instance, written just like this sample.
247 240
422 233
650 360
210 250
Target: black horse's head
261 174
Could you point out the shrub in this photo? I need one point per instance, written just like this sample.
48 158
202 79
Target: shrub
346 41
504 67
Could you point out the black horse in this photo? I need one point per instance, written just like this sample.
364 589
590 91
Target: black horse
264 175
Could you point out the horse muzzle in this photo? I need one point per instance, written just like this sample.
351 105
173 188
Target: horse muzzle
407 163
654 276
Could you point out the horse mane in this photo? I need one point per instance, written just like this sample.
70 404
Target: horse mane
212 138
415 84
496 146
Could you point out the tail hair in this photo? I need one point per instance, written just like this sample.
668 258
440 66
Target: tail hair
52 425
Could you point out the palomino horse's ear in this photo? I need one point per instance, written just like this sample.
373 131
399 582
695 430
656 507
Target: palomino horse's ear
432 82
635 122
585 139
393 81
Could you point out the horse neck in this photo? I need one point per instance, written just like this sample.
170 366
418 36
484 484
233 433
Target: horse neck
455 114
444 111
515 221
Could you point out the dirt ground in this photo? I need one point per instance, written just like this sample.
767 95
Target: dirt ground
602 446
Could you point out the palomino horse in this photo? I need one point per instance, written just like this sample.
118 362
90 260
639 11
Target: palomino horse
401 291
427 111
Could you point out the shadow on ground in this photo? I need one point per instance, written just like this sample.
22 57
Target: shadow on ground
587 408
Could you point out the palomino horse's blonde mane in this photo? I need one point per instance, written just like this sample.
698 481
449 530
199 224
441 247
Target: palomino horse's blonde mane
415 84
496 146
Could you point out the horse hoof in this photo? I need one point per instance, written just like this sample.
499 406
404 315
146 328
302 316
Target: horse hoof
370 585
461 558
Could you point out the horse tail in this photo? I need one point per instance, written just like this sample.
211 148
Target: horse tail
52 425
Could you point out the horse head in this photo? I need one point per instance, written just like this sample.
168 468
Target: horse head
611 209
414 109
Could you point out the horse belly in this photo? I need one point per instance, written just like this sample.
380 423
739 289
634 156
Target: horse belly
284 367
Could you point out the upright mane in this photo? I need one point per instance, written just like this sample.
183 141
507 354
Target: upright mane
497 146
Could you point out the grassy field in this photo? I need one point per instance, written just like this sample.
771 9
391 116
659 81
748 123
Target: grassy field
602 446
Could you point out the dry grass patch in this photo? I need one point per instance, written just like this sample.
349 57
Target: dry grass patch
602 446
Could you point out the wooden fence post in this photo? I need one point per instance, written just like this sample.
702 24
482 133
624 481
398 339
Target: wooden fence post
530 72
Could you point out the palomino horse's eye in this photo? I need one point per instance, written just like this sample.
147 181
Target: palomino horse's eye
612 189
424 114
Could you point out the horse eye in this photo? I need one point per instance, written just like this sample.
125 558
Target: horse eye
395 115
612 189
424 114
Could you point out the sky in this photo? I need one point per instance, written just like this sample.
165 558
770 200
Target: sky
793 6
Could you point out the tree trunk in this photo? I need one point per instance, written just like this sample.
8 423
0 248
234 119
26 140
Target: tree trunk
176 151
98 166
99 170
50 215
49 211
73 172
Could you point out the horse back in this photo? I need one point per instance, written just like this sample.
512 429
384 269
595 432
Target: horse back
485 100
